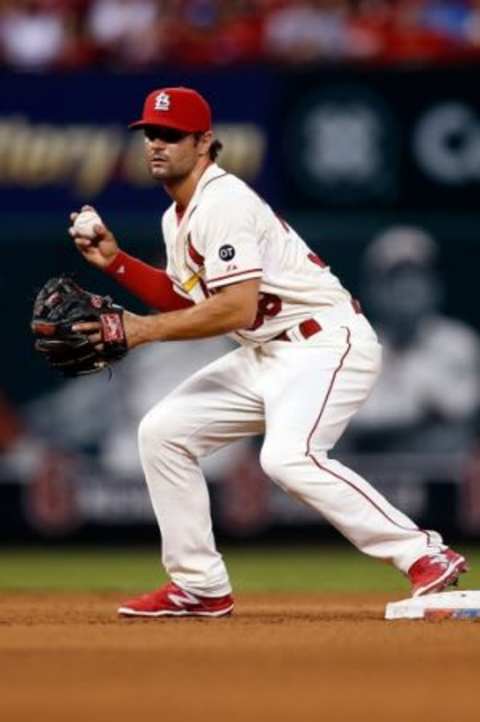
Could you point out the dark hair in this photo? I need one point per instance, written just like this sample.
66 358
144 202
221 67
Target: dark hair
214 149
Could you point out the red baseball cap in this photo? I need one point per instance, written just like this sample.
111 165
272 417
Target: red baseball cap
179 108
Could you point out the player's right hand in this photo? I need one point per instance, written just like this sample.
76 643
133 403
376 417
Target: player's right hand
100 250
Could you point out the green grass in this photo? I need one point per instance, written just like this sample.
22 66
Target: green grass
325 568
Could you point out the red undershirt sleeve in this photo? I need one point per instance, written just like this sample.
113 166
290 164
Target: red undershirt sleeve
151 285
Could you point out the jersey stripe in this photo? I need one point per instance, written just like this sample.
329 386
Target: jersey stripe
371 501
217 177
193 253
329 391
232 275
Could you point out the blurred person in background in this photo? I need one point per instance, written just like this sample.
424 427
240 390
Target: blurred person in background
129 32
36 35
211 32
448 17
241 32
307 31
428 394
459 20
404 31
366 29
45 34
194 33
472 29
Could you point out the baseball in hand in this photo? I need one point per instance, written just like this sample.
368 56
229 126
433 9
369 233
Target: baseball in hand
85 222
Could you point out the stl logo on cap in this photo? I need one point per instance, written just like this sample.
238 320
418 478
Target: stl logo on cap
162 101
180 108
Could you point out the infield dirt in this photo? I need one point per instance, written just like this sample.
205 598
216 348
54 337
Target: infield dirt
282 658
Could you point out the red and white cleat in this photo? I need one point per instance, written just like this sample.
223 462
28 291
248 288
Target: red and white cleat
431 574
172 601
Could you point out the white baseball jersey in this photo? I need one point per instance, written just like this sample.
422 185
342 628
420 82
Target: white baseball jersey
300 395
229 234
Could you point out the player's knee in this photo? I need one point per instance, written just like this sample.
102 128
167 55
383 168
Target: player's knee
147 434
156 428
279 463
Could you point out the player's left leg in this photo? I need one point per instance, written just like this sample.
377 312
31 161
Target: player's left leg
312 392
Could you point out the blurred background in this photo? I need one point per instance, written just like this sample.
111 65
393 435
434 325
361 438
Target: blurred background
359 121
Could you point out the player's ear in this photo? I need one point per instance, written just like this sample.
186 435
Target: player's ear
205 140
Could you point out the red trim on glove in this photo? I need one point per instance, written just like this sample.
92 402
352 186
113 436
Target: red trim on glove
151 285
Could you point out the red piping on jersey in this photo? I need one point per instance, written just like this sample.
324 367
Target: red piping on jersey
317 260
204 288
231 275
374 504
193 253
151 285
329 391
332 473
179 213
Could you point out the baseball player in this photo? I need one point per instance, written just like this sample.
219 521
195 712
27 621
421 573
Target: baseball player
307 360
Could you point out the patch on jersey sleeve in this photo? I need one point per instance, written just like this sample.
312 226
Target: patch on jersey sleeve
226 252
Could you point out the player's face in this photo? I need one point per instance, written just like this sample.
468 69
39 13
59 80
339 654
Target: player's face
172 154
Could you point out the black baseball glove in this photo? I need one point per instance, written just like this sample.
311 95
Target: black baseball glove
61 303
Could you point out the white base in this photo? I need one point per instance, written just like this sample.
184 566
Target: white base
446 605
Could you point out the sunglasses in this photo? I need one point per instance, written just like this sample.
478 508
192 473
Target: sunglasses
166 135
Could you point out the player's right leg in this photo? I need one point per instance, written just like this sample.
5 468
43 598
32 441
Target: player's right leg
214 407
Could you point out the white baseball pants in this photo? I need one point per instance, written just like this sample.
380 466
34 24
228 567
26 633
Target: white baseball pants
301 395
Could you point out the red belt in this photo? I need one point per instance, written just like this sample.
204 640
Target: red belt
310 327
